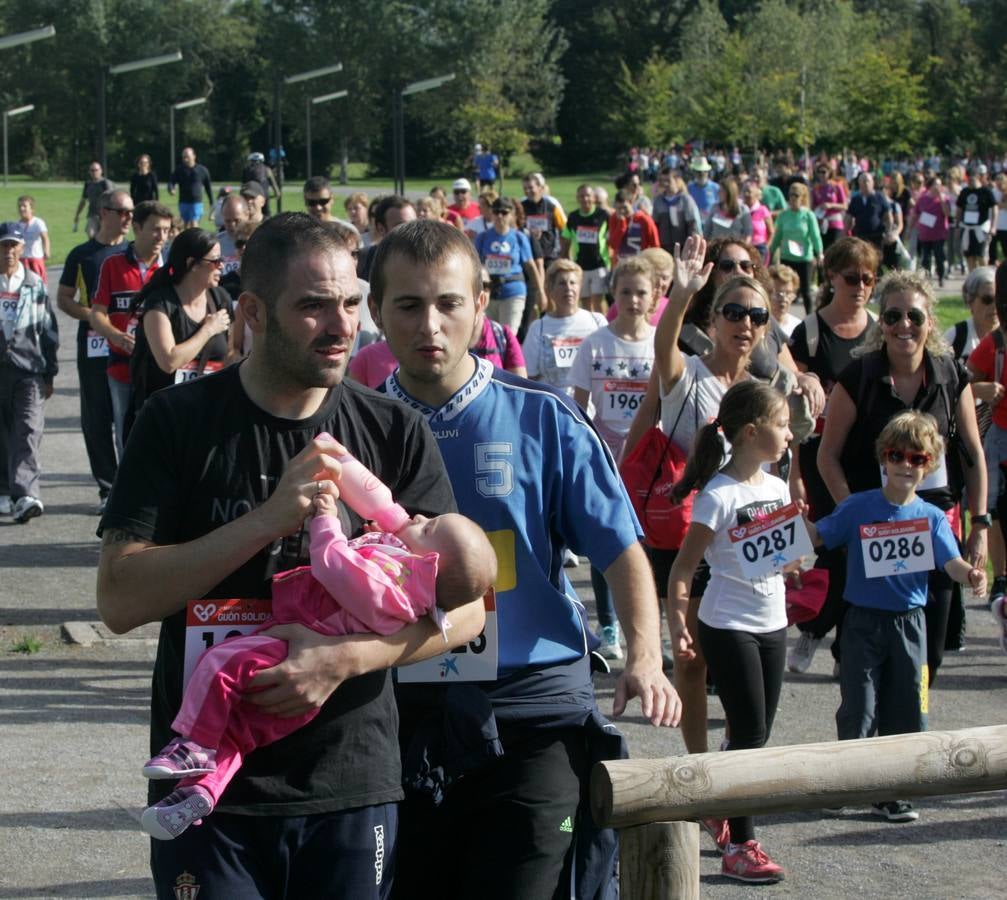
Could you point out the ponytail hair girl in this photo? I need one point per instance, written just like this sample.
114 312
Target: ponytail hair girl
745 403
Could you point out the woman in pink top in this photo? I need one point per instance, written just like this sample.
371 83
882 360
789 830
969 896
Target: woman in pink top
829 199
762 218
404 568
931 217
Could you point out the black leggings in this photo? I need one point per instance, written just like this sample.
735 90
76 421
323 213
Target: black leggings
748 671
803 270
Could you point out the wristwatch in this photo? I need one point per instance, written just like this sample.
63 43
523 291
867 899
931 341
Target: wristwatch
983 520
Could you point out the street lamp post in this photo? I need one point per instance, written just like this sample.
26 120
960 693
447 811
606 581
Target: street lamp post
399 128
26 37
122 69
277 116
184 104
17 111
314 101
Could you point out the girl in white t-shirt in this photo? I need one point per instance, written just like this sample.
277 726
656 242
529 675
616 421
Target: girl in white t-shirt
742 626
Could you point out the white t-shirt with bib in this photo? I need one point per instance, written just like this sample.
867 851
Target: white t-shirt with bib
732 600
551 345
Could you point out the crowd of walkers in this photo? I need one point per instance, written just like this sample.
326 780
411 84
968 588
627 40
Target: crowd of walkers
628 383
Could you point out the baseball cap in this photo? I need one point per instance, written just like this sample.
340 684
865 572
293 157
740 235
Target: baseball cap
502 204
11 231
479 146
256 157
462 184
981 169
252 189
700 164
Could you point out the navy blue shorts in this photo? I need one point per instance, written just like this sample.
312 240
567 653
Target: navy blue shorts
343 855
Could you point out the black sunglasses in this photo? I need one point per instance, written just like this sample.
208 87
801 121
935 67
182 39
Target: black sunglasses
729 265
735 312
119 210
893 316
318 201
855 278
919 460
987 299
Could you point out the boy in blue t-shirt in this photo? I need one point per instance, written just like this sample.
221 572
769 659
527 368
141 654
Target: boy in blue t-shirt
893 540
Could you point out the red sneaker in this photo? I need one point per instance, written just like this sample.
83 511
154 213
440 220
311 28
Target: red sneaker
747 862
719 830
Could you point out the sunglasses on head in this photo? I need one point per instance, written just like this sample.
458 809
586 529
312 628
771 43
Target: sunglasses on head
855 278
729 265
318 201
735 312
915 316
917 460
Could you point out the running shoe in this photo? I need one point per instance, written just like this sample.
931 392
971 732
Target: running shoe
27 508
179 759
176 812
800 657
719 830
748 862
895 811
999 610
610 648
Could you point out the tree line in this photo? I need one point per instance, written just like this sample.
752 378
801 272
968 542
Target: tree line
575 81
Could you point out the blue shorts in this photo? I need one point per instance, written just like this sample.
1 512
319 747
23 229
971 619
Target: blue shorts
343 855
190 212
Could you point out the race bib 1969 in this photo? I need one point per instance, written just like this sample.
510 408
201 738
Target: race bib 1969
621 399
897 548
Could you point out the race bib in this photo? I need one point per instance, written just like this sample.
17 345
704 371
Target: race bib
767 545
620 401
795 248
8 306
928 220
538 223
971 217
475 661
207 622
674 216
96 345
936 479
499 265
190 371
587 235
231 264
897 548
564 351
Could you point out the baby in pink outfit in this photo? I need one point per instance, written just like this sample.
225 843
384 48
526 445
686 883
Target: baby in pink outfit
384 580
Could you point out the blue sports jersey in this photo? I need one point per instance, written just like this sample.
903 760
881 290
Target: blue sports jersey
896 593
529 468
706 196
505 256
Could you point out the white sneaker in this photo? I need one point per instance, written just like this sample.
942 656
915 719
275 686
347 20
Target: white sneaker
800 657
610 648
570 559
6 507
27 508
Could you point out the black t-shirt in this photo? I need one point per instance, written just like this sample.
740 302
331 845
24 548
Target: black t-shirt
200 455
143 187
80 271
834 353
868 215
147 375
869 385
975 204
589 255
192 181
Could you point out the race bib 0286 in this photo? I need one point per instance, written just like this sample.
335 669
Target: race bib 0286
897 548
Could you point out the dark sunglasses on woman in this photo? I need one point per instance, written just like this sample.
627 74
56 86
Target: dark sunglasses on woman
855 278
915 316
729 265
735 312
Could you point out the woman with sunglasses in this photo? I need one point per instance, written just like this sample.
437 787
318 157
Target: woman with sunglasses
185 318
798 239
905 364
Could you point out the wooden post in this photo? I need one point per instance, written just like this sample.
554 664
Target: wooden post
659 861
808 776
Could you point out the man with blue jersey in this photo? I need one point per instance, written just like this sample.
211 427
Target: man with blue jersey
527 466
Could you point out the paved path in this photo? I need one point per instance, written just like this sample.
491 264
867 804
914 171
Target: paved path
73 733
